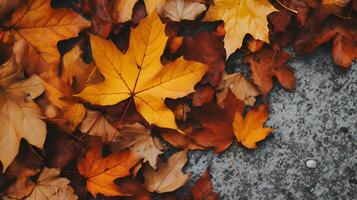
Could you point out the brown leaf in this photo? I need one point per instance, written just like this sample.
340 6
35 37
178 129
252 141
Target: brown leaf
6 6
168 176
239 86
179 140
203 94
203 189
96 124
268 63
207 48
140 142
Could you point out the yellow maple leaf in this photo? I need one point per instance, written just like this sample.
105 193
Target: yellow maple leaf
250 130
34 19
151 5
241 17
139 74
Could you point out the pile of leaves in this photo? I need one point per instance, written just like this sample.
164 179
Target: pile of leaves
103 99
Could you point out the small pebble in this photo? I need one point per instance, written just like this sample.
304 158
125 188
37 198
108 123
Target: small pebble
312 164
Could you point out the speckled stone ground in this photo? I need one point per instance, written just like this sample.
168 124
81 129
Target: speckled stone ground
318 121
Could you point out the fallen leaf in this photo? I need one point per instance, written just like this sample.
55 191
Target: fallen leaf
178 10
143 79
203 188
240 87
21 117
250 130
50 186
96 124
168 176
241 17
151 5
123 10
268 63
6 6
179 140
27 23
101 172
208 48
202 95
335 6
141 143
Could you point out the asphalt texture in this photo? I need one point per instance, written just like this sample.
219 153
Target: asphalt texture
312 153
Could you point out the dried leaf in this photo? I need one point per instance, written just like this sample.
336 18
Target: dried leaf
250 130
241 17
240 87
101 172
168 176
268 63
123 10
140 75
178 10
21 117
96 124
203 188
27 23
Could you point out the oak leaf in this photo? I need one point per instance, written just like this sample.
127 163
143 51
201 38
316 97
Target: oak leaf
33 19
139 74
240 87
101 172
241 17
20 116
268 63
178 10
250 130
168 176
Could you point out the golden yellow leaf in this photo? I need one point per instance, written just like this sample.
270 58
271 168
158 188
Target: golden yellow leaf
101 172
250 130
178 10
34 19
20 117
123 10
75 114
140 75
241 17
151 5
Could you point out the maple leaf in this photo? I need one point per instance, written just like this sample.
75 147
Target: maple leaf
151 5
33 19
178 10
96 124
168 176
50 186
140 75
6 6
241 17
203 188
250 130
101 172
340 32
19 113
268 63
140 141
240 87
179 140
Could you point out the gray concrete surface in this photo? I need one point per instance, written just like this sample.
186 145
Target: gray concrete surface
318 121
